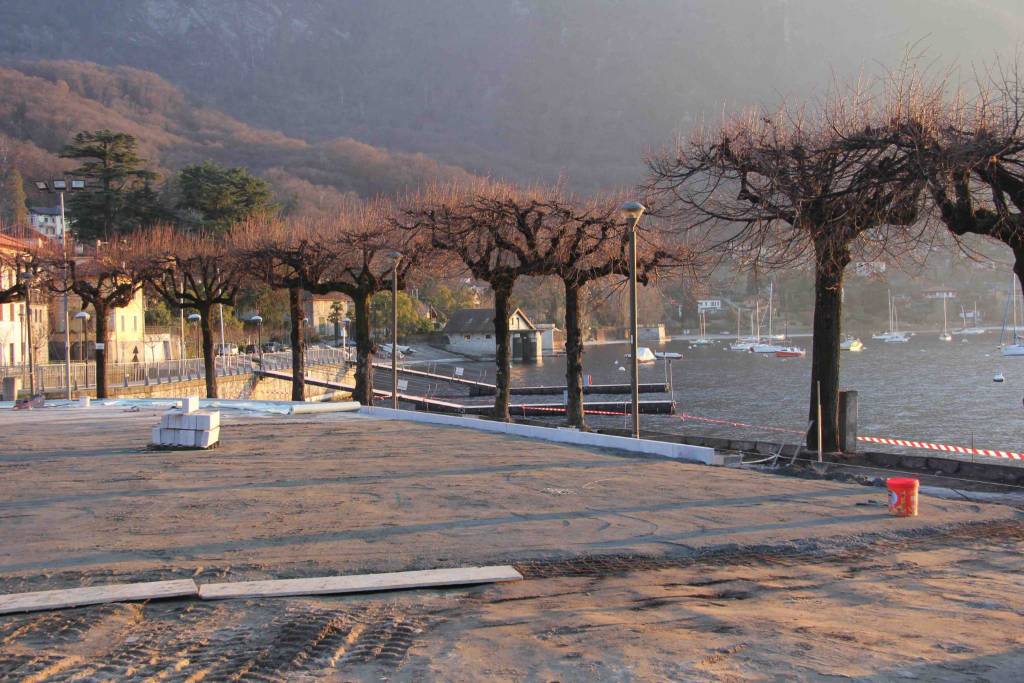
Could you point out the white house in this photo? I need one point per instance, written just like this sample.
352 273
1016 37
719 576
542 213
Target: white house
471 331
47 221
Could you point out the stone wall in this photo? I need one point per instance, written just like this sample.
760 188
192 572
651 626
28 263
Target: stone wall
243 387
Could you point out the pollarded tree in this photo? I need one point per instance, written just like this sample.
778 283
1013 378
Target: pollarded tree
590 241
104 277
191 270
500 233
782 188
367 240
294 255
969 151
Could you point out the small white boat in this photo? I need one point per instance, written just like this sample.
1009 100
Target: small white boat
970 329
763 347
999 377
1016 346
671 355
851 344
643 355
945 336
702 339
893 334
742 344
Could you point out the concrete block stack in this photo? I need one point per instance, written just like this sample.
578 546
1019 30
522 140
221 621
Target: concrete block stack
188 427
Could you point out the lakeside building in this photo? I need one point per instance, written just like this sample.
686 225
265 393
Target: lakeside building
14 327
552 339
126 329
470 331
47 221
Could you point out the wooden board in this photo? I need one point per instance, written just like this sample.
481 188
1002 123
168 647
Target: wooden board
95 595
359 583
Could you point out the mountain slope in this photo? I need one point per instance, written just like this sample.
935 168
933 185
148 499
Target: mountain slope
519 88
43 104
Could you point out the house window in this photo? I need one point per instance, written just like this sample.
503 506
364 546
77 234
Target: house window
487 336
135 323
466 337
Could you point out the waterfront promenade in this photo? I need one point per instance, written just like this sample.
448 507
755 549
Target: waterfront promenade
641 568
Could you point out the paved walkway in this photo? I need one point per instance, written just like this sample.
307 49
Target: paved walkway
636 568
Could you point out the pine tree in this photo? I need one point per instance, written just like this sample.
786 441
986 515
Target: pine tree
113 171
213 197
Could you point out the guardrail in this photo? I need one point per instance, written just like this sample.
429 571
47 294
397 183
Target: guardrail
53 376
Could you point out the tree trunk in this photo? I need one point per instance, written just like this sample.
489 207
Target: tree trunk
100 349
298 346
364 349
1018 268
209 359
828 298
503 350
574 413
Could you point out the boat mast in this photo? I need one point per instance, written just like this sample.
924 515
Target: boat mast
945 331
771 311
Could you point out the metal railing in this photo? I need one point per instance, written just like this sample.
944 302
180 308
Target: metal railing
53 376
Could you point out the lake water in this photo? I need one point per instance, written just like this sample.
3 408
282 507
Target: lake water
925 389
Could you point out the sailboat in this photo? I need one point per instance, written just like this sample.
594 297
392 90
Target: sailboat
973 329
1016 348
893 335
945 336
742 343
702 340
767 346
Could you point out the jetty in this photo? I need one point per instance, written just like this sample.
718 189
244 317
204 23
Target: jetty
434 404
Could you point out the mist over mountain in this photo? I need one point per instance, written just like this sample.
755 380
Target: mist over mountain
514 88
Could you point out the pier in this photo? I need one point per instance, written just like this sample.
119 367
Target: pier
423 402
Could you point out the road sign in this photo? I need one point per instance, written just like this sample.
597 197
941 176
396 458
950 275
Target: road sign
709 304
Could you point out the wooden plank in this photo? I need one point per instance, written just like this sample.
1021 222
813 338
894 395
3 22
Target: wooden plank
360 583
95 595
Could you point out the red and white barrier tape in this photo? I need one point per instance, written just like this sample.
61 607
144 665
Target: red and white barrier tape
731 423
945 448
562 410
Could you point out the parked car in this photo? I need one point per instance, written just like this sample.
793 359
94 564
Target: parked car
227 349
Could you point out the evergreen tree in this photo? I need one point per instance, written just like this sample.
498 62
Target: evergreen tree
13 210
213 197
113 172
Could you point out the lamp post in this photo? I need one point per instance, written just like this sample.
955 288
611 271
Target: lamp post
84 342
344 336
26 279
193 319
394 328
258 321
60 186
633 210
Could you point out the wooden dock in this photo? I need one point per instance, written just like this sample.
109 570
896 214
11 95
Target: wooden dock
477 388
655 407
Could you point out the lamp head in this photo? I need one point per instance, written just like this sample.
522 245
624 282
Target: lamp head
632 210
194 317
258 319
42 186
82 315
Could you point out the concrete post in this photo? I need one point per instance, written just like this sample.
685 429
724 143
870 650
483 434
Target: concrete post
848 421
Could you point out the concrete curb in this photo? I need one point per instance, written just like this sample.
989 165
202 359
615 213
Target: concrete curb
677 451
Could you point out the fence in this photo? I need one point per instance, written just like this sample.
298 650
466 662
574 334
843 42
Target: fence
53 376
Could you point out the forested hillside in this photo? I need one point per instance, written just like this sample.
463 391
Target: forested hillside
514 88
43 104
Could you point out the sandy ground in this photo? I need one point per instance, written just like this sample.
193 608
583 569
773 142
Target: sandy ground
637 569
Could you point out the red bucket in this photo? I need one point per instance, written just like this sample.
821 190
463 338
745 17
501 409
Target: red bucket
902 496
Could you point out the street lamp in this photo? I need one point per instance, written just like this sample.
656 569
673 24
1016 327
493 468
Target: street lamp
344 336
84 342
633 210
26 278
394 328
257 320
193 319
60 186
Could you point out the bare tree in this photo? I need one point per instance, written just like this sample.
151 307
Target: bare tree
372 248
293 255
104 277
500 233
969 148
189 270
781 188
